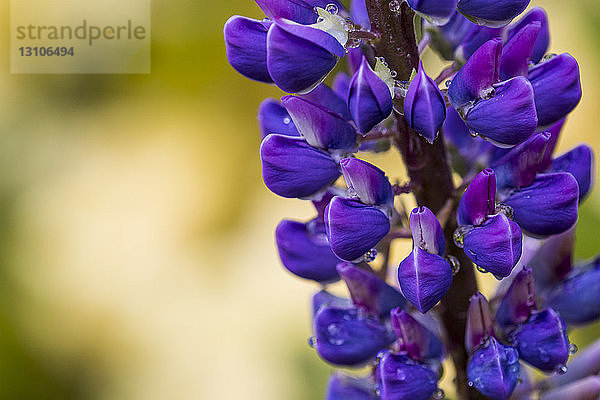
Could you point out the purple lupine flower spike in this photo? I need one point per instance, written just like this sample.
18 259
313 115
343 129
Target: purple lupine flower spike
493 13
344 387
367 182
370 292
304 251
424 107
556 86
542 341
326 97
354 228
292 168
323 299
347 337
300 56
370 95
579 162
480 326
424 275
246 47
479 200
300 11
548 206
516 54
577 298
274 118
320 127
438 10
536 14
400 377
519 167
518 302
415 339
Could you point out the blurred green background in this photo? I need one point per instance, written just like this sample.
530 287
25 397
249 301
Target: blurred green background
136 243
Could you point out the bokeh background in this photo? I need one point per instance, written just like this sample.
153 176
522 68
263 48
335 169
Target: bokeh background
137 258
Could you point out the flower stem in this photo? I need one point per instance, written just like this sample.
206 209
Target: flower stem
430 175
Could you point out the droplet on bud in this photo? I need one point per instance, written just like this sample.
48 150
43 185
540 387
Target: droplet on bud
454 264
573 348
370 255
312 341
561 369
439 394
470 384
331 8
394 6
488 93
505 209
448 82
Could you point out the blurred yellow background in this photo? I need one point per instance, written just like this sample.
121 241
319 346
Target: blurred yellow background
137 257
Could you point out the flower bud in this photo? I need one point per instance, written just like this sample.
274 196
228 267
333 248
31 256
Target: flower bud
320 127
246 47
300 56
556 86
354 228
536 14
368 182
370 96
542 341
305 252
479 200
554 131
274 118
424 107
370 292
480 326
579 162
494 370
347 337
302 12
438 10
413 338
516 54
548 206
343 387
518 302
402 378
292 168
426 231
424 278
494 13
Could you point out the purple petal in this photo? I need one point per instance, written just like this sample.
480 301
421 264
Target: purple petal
536 14
418 342
426 231
446 38
495 246
370 292
360 16
509 117
584 389
473 150
320 127
554 260
579 162
517 52
340 86
494 370
518 302
554 131
434 8
299 56
367 181
300 11
369 98
324 96
479 200
305 252
556 86
347 337
402 378
292 168
246 47
477 76
492 12
520 165
542 341
577 298
354 228
424 107
548 206
424 278
480 326
585 363
323 299
346 387
274 118
353 60
321 202
476 37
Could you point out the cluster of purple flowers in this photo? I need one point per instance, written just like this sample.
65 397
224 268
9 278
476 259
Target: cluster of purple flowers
500 117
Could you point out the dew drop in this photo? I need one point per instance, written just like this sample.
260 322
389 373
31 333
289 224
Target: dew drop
448 83
488 93
370 255
512 356
394 6
331 8
312 341
459 235
573 348
335 333
454 264
287 120
473 133
470 384
561 369
439 394
393 74
505 209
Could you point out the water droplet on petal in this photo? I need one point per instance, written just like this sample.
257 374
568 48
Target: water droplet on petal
287 120
312 341
331 8
439 394
481 269
470 384
505 209
561 369
473 133
488 93
448 83
459 235
573 348
393 73
394 6
335 333
454 264
370 255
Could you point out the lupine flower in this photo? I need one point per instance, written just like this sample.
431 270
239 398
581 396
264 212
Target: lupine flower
367 182
274 118
370 95
543 38
415 339
323 299
342 387
579 162
301 11
476 37
424 107
518 302
328 98
400 377
424 275
492 12
360 16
